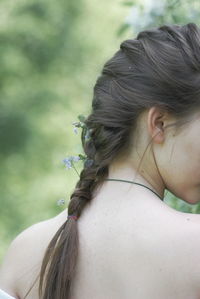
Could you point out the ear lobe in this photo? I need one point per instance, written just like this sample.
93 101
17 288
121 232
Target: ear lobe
159 136
156 124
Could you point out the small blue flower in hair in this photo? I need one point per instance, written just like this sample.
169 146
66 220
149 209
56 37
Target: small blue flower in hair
75 130
61 202
69 161
79 124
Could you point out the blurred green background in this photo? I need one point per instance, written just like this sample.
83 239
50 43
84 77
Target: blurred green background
51 53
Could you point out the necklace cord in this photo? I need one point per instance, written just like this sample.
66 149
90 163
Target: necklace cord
136 184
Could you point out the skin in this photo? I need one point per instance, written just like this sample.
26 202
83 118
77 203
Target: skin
171 162
129 238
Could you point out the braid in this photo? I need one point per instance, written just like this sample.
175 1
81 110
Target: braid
83 190
104 144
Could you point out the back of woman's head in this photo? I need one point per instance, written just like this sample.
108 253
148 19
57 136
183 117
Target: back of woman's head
160 67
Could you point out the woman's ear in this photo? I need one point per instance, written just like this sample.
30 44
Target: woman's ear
156 122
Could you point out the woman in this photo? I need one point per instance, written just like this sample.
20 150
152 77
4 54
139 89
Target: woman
121 240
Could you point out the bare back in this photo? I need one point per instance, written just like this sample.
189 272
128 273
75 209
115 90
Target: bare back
131 247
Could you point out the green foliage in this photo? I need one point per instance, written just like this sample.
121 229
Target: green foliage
39 51
50 55
151 13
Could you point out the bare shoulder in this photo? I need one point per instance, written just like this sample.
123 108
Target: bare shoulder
22 261
181 246
190 248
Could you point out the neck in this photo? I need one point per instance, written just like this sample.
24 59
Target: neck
126 171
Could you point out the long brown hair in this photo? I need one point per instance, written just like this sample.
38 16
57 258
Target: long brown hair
160 67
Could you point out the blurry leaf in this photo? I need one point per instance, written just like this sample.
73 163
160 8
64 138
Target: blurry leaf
81 117
36 9
82 157
14 132
122 29
128 3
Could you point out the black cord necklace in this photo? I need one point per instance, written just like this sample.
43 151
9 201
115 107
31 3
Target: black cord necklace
136 184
